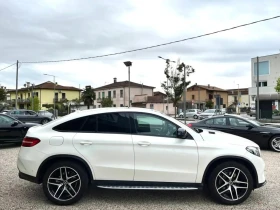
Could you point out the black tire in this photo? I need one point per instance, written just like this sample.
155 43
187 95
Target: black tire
195 117
79 186
225 197
44 121
272 145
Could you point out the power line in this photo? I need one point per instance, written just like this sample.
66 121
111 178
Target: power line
7 66
154 46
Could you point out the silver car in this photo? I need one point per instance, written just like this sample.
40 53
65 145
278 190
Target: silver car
209 113
191 113
45 113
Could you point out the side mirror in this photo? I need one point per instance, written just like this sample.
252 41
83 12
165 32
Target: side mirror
249 126
181 133
15 123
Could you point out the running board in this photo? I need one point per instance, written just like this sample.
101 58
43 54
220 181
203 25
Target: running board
147 188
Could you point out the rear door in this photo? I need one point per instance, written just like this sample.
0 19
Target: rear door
217 123
105 141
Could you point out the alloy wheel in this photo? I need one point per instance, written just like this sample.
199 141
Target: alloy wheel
231 184
44 122
64 183
275 144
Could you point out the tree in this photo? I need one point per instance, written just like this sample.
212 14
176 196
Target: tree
175 87
36 104
2 94
88 96
277 87
209 104
106 102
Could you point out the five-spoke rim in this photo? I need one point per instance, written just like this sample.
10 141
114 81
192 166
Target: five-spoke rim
275 143
231 183
64 183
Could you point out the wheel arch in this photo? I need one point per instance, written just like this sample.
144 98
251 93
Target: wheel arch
51 160
237 159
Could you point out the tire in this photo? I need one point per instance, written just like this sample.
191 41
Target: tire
195 117
274 143
217 180
62 192
44 121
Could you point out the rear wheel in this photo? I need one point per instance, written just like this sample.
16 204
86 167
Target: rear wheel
230 183
44 121
274 144
64 183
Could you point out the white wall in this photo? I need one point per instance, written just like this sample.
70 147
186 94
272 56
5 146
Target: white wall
162 107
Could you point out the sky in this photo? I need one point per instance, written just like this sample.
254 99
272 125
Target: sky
32 30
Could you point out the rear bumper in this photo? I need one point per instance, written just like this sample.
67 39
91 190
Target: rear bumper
28 178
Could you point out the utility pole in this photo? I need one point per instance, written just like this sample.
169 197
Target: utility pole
184 95
17 86
128 64
238 108
258 94
198 97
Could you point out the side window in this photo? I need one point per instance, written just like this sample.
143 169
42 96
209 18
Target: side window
209 122
29 113
5 120
220 121
113 123
90 125
71 125
238 122
147 124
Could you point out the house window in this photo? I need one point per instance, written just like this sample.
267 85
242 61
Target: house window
210 96
192 96
28 95
37 94
151 106
109 94
98 106
99 93
121 105
262 84
114 94
121 93
63 95
56 95
263 68
192 88
166 108
103 94
21 96
114 105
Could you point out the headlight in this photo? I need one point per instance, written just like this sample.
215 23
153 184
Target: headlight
254 150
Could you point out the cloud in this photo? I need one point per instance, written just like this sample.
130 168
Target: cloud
51 30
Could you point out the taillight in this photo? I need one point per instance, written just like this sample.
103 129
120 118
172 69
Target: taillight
29 142
190 125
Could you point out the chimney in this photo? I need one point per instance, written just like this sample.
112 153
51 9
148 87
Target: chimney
115 80
209 85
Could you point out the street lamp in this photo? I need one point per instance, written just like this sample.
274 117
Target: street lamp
167 76
53 93
190 70
128 64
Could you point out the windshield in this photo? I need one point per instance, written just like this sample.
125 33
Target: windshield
210 111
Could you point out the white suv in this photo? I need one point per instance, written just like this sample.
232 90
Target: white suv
134 148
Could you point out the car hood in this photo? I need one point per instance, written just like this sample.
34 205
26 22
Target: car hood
213 135
31 124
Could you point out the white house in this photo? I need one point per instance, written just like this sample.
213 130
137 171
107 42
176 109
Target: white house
269 72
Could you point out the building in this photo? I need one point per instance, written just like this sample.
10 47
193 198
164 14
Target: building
157 101
238 97
198 95
118 91
45 94
269 72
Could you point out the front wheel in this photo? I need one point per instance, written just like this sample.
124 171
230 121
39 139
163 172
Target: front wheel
274 144
230 183
65 182
195 117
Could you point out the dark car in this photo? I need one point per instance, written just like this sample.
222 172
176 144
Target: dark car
266 136
12 130
29 116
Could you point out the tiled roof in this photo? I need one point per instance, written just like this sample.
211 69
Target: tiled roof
155 99
50 85
208 87
122 84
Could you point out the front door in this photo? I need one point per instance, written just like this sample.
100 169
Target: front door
30 116
105 141
159 155
8 131
240 127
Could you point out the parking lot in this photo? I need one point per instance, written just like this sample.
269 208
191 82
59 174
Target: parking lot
20 194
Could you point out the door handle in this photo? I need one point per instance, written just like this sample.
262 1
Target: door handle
86 143
144 143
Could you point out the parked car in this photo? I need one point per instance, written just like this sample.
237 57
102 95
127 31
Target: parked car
252 112
12 130
45 113
134 148
28 116
267 137
209 113
191 113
